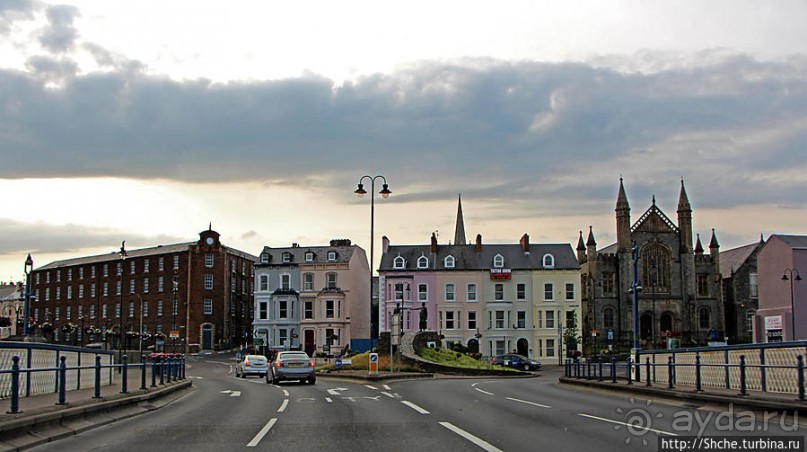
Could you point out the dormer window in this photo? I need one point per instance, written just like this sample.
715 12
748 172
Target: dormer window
309 256
264 258
423 262
286 257
331 256
449 262
398 263
548 261
498 261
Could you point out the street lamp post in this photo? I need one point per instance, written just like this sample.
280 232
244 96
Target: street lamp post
790 272
174 309
635 287
384 192
120 311
29 266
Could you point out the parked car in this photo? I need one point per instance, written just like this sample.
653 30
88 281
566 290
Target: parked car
516 361
292 365
252 365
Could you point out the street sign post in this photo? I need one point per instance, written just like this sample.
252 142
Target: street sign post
373 363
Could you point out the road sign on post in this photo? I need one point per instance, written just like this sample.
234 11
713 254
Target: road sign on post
373 363
258 342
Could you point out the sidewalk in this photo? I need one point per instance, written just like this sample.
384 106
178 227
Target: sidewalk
42 420
755 400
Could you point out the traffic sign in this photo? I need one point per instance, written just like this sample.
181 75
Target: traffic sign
338 363
258 342
373 363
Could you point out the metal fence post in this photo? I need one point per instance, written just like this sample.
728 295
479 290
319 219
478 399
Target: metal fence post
647 368
15 385
743 388
698 383
154 372
762 377
161 363
670 372
728 369
600 366
170 370
800 369
62 380
183 367
125 378
97 377
613 370
142 371
638 367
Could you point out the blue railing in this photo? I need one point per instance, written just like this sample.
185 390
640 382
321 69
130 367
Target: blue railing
168 370
631 372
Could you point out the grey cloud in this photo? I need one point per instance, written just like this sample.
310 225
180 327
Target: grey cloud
19 238
553 132
50 69
61 35
14 10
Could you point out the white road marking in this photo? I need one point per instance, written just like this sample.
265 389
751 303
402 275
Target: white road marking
627 424
484 392
414 407
328 399
371 387
285 393
257 439
387 388
391 396
283 406
479 442
528 403
336 391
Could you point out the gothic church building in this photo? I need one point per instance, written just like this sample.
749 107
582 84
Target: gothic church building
679 298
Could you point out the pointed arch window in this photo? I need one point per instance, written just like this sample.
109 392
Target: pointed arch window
423 262
448 262
398 263
655 259
498 261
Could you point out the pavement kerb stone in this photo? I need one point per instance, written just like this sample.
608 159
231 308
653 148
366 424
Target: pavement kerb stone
751 402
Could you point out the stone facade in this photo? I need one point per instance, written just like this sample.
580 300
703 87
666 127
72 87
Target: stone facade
680 286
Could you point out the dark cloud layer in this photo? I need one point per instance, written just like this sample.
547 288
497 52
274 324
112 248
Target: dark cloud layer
502 128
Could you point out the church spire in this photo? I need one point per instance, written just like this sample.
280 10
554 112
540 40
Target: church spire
622 219
685 220
459 233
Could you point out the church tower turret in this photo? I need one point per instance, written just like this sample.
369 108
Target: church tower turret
459 232
622 220
685 220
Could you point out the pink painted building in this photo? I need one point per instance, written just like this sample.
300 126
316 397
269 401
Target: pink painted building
782 268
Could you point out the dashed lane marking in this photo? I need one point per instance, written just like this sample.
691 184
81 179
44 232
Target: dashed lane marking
257 439
478 441
414 407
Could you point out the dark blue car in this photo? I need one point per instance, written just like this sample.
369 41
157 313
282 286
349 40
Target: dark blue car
516 361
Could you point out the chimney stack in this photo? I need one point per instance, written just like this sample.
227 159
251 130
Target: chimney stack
525 243
478 243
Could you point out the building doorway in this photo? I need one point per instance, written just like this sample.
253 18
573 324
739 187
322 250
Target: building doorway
523 347
646 326
207 336
310 345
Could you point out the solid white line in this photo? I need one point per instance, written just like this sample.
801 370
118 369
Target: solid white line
262 433
627 425
414 407
528 403
283 406
371 387
479 442
484 392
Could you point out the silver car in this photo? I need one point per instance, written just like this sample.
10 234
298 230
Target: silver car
252 365
292 366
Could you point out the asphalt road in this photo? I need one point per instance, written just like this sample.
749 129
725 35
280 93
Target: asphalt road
533 414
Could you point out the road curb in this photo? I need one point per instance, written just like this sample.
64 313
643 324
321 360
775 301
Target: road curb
737 400
34 428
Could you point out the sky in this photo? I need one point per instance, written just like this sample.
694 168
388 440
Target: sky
149 121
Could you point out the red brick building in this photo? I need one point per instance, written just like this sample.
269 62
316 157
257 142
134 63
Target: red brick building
185 296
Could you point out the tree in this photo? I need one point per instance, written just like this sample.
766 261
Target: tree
5 321
571 336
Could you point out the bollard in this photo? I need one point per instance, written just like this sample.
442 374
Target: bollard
743 388
698 381
647 367
613 370
142 371
62 380
800 378
170 369
15 385
669 372
161 364
124 388
154 373
97 394
629 373
600 365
